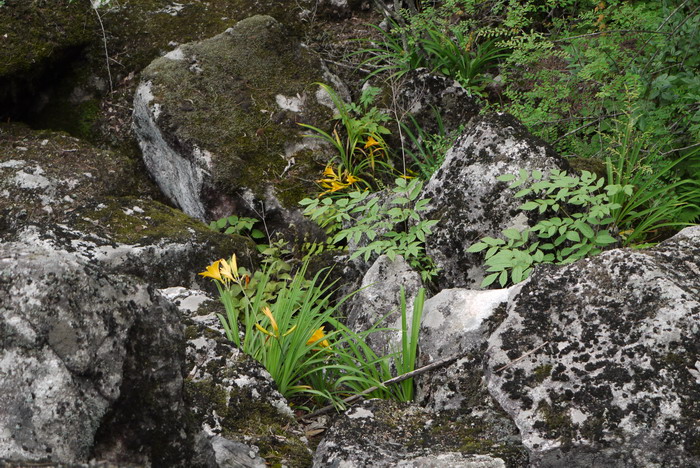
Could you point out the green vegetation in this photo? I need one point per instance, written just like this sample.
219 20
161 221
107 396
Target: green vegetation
290 339
360 147
375 227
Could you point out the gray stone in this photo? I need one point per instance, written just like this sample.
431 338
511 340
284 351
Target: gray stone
142 238
241 417
601 359
89 362
381 433
468 199
379 297
423 93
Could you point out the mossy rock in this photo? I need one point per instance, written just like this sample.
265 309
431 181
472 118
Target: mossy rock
218 120
384 433
35 35
156 242
44 174
234 397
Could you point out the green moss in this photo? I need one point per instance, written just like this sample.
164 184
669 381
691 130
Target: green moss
230 107
557 423
256 421
542 372
36 32
593 165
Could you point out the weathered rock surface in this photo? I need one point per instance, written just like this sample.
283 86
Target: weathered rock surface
381 433
142 238
226 138
379 297
242 419
45 174
468 199
90 363
616 379
457 323
422 93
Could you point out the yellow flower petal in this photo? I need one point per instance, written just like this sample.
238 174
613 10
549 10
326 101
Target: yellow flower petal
257 325
226 272
318 335
371 142
273 322
213 271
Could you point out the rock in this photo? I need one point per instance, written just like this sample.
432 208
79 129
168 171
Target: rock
381 433
90 364
226 137
36 37
609 371
146 239
379 295
457 323
45 174
468 199
423 93
241 417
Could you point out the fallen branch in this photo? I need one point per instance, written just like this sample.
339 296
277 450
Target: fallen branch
521 357
422 370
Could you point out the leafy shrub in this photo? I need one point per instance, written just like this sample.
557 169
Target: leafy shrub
437 46
391 228
564 237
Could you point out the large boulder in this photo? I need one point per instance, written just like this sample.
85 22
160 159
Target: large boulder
217 122
468 199
90 364
598 362
377 302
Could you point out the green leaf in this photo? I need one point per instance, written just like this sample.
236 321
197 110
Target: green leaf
511 233
489 280
478 247
604 238
573 236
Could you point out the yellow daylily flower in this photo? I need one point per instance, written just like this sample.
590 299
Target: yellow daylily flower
334 182
371 141
230 270
275 329
213 271
318 335
226 272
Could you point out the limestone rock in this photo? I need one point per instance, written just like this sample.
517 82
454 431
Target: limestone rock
381 433
226 138
379 295
468 199
90 363
457 323
422 93
615 382
146 239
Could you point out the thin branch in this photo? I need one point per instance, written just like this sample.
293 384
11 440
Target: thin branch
104 40
515 361
350 400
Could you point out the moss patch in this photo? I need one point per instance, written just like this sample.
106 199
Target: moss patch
222 97
247 419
